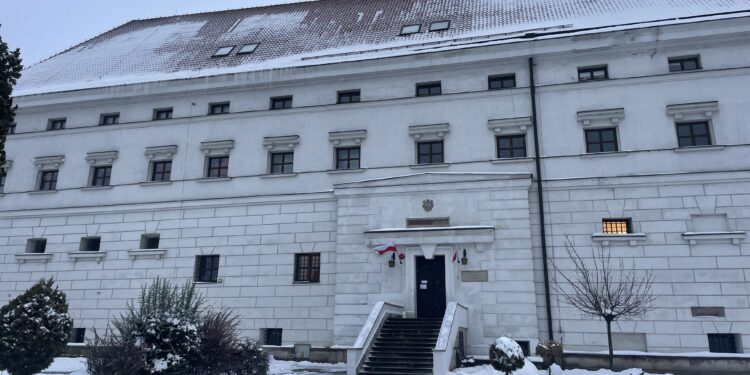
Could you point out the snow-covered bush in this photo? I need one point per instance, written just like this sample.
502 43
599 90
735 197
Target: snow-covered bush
250 359
113 354
34 329
506 355
551 351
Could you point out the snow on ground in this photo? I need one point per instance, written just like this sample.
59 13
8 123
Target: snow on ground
77 366
530 369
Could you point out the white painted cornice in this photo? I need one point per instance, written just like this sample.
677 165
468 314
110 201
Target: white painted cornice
160 152
286 142
49 162
509 125
712 237
603 117
217 147
702 110
429 132
347 137
101 158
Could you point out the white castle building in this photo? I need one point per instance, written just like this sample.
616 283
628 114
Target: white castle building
263 153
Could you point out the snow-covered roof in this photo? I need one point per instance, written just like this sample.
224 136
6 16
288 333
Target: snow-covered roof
310 33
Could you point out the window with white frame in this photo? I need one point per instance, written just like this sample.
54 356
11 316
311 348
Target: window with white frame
101 167
600 129
281 154
429 143
49 168
694 123
160 162
510 136
217 158
347 149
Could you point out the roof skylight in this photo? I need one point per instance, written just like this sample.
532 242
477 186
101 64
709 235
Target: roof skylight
410 29
223 51
248 48
440 25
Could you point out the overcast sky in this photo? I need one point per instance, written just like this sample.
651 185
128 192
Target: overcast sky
41 28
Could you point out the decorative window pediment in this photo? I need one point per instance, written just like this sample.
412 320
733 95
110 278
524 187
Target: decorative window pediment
429 132
287 142
45 163
601 118
347 138
510 125
217 147
101 158
161 152
693 111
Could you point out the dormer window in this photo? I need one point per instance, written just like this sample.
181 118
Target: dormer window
248 49
410 29
440 25
223 51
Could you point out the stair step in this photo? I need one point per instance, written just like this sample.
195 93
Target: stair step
403 347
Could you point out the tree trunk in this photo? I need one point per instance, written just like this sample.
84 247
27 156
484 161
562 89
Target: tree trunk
609 341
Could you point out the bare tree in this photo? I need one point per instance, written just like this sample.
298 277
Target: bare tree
600 290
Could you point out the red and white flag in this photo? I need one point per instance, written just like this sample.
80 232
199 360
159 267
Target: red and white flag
382 249
455 256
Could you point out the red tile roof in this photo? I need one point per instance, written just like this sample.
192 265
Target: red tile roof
300 33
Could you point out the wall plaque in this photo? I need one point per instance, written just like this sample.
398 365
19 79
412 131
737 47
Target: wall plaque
708 311
474 276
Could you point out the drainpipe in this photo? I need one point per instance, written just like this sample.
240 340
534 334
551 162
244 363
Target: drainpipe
540 197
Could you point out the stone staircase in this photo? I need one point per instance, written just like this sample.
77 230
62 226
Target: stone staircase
404 347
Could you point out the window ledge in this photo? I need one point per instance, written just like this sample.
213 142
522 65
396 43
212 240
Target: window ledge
426 166
339 171
632 239
698 148
97 188
511 160
604 154
154 183
33 257
207 283
305 282
40 192
712 237
88 255
278 175
214 179
147 253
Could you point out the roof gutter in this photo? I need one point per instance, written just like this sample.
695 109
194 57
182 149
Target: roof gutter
540 198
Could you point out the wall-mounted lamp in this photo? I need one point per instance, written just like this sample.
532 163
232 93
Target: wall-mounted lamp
392 261
464 259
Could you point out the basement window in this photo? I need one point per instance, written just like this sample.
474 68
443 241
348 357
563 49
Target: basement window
411 29
722 343
223 51
617 226
77 336
248 49
440 25
271 336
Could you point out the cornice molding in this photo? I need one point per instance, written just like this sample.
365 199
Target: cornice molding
49 162
286 142
347 137
509 125
429 132
217 147
601 117
702 110
101 158
161 152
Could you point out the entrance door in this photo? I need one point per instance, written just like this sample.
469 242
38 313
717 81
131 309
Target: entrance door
431 287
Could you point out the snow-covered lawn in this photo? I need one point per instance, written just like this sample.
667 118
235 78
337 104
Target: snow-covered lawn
77 366
529 369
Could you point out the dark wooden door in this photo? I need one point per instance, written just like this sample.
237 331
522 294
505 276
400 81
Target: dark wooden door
431 287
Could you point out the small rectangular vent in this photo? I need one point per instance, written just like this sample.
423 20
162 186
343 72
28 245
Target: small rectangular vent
708 311
427 222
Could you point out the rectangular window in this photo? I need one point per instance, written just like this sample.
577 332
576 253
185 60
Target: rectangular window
601 140
504 81
595 73
511 146
100 176
12 128
349 96
307 268
430 152
163 114
150 241
271 336
281 102
422 222
48 180
617 226
77 336
683 64
722 343
429 89
440 25
109 119
36 245
206 269
693 134
282 162
410 29
217 167
56 124
90 244
218 108
161 171
347 158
